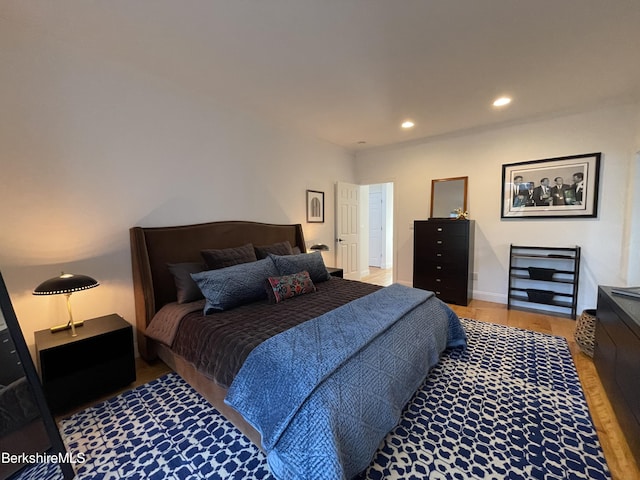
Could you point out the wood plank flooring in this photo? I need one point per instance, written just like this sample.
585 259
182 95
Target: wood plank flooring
616 450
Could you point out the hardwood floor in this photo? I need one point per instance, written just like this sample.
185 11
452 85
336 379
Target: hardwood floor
616 450
379 276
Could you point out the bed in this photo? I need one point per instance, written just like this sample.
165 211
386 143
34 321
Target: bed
288 360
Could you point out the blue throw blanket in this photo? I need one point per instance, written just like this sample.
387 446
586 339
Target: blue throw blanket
324 394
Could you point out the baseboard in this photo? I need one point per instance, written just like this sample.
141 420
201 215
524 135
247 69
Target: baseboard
490 297
476 295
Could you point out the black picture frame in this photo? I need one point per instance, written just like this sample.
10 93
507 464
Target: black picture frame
315 206
571 188
55 456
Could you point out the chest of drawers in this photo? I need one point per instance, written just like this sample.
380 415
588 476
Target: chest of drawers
617 359
443 258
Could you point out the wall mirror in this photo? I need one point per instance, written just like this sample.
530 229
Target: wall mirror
27 429
447 194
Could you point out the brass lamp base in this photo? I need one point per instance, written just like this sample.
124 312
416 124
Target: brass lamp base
65 326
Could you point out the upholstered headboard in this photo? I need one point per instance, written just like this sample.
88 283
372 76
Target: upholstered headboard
152 248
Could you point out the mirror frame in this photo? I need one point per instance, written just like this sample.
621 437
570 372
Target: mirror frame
440 180
56 446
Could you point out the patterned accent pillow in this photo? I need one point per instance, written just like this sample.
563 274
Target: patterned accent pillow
230 287
311 262
227 257
186 289
288 286
282 248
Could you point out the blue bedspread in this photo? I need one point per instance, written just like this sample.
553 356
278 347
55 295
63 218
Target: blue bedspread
325 393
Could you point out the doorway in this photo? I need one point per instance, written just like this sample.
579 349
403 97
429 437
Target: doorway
377 243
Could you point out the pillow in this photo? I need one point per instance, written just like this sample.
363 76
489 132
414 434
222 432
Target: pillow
227 257
282 248
186 289
288 286
311 262
230 287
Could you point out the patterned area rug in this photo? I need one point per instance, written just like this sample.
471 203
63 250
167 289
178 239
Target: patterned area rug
510 406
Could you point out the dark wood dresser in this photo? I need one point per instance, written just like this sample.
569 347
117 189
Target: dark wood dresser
617 359
443 258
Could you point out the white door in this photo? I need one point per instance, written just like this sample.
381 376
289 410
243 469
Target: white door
376 227
348 229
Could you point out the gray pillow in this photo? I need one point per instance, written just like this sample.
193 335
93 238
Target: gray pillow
186 289
281 248
311 262
230 287
227 257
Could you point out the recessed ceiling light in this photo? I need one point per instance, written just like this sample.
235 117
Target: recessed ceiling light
501 102
407 124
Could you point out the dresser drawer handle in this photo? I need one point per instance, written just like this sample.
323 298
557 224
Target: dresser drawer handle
438 267
439 229
438 280
438 254
439 242
437 292
5 340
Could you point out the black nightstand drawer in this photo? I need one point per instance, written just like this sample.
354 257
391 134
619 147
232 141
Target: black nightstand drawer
77 369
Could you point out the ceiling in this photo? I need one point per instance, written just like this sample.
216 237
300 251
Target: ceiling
350 71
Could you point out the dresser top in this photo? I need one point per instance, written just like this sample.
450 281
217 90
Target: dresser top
629 305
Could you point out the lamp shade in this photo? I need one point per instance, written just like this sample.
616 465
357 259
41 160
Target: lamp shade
65 283
319 247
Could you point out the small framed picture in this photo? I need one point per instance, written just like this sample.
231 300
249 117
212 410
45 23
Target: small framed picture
551 188
315 206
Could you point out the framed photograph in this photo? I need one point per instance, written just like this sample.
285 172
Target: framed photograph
315 206
550 188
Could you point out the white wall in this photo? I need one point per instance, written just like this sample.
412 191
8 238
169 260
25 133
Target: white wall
91 148
605 240
634 211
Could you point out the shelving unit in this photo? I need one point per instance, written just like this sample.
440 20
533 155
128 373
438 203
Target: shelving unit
546 277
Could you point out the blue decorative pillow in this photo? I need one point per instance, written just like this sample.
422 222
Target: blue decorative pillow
230 287
311 262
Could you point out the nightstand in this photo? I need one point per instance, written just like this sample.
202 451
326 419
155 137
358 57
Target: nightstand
98 360
336 272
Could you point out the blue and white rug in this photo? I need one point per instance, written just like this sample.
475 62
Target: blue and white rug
510 406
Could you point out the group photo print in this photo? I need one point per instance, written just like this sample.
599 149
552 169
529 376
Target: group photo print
555 187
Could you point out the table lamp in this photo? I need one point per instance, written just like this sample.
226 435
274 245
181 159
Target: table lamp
319 247
66 284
